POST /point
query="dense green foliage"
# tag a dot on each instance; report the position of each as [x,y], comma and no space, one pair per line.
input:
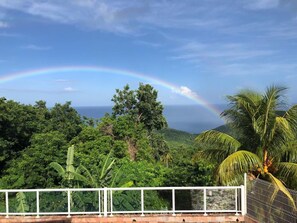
[261,141]
[50,148]
[141,105]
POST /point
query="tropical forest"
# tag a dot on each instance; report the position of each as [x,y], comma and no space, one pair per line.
[42,147]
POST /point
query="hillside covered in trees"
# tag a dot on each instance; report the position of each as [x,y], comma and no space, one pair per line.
[130,146]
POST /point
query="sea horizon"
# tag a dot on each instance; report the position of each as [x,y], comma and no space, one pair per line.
[189,118]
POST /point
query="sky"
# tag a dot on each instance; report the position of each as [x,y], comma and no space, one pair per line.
[191,51]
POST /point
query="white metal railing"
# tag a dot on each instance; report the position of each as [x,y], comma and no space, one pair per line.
[109,201]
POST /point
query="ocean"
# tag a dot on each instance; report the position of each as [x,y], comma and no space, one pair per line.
[188,118]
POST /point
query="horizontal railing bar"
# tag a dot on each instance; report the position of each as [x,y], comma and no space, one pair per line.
[121,212]
[124,212]
[177,188]
[52,190]
[50,213]
[176,211]
[120,189]
[28,213]
[189,211]
[81,212]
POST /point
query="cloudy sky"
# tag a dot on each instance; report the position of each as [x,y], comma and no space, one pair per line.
[204,48]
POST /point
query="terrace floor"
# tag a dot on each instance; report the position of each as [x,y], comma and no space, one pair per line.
[211,218]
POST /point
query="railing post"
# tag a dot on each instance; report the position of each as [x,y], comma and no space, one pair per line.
[204,201]
[105,202]
[7,204]
[99,203]
[37,204]
[69,202]
[110,194]
[142,202]
[244,196]
[236,203]
[173,202]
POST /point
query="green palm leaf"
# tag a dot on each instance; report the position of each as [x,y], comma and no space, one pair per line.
[244,104]
[289,152]
[237,163]
[219,140]
[269,105]
[279,186]
[216,155]
[287,169]
[291,116]
[280,134]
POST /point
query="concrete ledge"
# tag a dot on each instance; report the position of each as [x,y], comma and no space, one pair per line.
[248,219]
[211,218]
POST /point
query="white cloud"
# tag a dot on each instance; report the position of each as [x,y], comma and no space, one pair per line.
[262,4]
[257,69]
[5,34]
[61,80]
[110,16]
[186,91]
[147,43]
[122,16]
[196,52]
[69,89]
[35,47]
[3,24]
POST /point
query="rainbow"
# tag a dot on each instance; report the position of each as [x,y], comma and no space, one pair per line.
[98,69]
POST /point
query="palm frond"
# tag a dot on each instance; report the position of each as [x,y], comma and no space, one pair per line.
[216,155]
[237,179]
[237,163]
[291,116]
[288,152]
[280,134]
[279,186]
[218,140]
[245,103]
[286,169]
[270,103]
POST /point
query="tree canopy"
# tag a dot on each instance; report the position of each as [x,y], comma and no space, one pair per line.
[141,105]
[35,142]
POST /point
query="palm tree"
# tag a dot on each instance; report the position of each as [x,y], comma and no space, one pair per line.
[258,140]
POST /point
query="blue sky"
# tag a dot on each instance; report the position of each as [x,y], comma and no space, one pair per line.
[206,48]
